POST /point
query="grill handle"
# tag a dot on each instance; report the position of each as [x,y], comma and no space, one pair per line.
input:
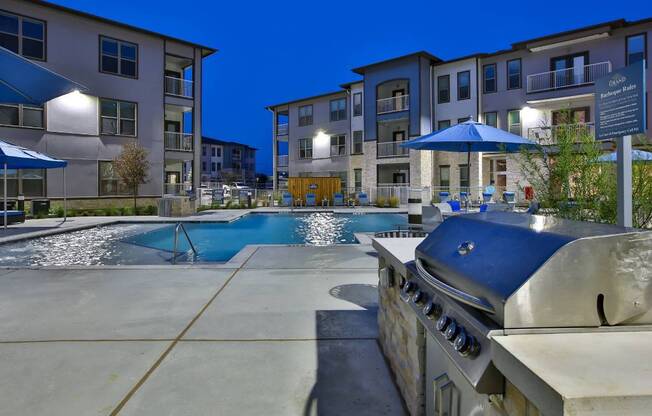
[454,293]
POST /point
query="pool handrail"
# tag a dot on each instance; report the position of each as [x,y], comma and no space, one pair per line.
[176,238]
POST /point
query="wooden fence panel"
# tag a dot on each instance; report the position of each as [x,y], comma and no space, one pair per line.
[322,187]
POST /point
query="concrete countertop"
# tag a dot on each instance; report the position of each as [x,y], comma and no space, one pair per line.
[597,373]
[397,250]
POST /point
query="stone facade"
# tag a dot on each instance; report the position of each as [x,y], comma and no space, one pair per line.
[402,338]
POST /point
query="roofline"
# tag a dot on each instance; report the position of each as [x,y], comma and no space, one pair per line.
[313,97]
[361,69]
[346,85]
[220,141]
[207,50]
[613,24]
[461,58]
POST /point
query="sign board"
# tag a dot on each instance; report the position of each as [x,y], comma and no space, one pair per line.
[620,102]
[313,186]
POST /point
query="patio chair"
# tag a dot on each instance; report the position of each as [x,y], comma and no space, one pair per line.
[287,199]
[311,199]
[338,199]
[444,196]
[486,197]
[509,197]
[13,217]
[455,205]
[363,199]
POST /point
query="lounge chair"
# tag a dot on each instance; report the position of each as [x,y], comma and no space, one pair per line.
[13,217]
[486,197]
[455,205]
[338,199]
[287,199]
[444,196]
[363,199]
[311,200]
[509,197]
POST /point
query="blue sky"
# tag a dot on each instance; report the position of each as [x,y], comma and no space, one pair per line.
[275,51]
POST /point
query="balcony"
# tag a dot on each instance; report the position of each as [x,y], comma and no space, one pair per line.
[178,86]
[179,142]
[547,135]
[570,77]
[282,129]
[282,161]
[392,149]
[393,104]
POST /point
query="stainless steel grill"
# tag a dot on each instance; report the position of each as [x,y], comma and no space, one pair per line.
[478,275]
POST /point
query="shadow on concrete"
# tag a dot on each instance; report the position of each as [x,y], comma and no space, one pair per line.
[352,376]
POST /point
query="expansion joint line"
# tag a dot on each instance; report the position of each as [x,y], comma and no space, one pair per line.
[167,351]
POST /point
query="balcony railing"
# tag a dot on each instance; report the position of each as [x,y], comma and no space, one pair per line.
[181,142]
[392,104]
[178,86]
[282,161]
[547,135]
[392,149]
[282,129]
[177,188]
[570,77]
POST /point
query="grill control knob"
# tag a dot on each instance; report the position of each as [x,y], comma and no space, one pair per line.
[451,330]
[409,287]
[466,344]
[418,297]
[432,310]
[442,323]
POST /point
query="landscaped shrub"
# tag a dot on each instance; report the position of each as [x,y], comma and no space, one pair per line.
[151,210]
[393,201]
[380,201]
[57,212]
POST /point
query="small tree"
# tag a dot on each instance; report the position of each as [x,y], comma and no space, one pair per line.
[132,167]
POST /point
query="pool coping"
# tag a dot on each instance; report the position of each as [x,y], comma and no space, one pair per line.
[236,261]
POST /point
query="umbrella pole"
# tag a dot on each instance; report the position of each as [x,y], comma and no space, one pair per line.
[5,197]
[468,172]
[65,201]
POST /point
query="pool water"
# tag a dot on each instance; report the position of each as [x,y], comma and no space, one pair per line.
[152,243]
[221,241]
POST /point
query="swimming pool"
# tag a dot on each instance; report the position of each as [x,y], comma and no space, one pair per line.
[124,244]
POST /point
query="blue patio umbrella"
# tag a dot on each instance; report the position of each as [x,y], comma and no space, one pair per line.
[637,156]
[470,136]
[18,157]
[25,82]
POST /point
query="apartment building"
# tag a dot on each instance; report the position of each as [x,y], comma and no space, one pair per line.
[522,89]
[221,160]
[141,86]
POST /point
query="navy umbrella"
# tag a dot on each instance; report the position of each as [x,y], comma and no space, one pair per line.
[470,136]
[24,82]
[18,157]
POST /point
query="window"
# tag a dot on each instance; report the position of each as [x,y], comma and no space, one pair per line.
[498,172]
[110,182]
[357,104]
[491,119]
[305,148]
[23,35]
[28,182]
[219,166]
[443,124]
[489,78]
[219,151]
[636,48]
[118,117]
[118,57]
[305,115]
[338,109]
[514,74]
[463,119]
[464,85]
[21,116]
[338,145]
[443,89]
[356,143]
[203,150]
[464,176]
[203,166]
[569,70]
[444,176]
[213,166]
[237,165]
[236,154]
[357,179]
[514,122]
[213,152]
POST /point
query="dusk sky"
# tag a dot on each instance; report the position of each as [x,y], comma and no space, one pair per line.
[275,51]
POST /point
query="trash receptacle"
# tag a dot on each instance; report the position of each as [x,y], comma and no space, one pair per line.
[40,207]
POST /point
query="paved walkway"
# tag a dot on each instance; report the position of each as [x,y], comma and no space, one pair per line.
[290,331]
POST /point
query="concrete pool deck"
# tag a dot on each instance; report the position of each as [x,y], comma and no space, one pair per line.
[285,331]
